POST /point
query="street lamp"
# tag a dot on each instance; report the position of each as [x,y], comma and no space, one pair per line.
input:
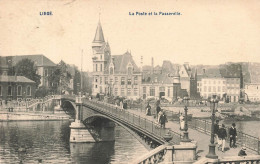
[212,153]
[186,133]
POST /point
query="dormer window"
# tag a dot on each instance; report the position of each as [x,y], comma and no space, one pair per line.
[130,70]
[111,70]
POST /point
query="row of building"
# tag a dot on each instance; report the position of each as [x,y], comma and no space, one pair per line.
[118,75]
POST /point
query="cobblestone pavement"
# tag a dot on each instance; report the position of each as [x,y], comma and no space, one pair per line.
[202,139]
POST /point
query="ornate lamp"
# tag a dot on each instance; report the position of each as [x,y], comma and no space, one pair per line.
[213,105]
[186,133]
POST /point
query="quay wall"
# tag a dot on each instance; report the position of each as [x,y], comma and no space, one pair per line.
[7,116]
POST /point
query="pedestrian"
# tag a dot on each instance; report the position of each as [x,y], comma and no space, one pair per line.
[242,152]
[182,122]
[159,115]
[216,129]
[158,109]
[148,109]
[222,135]
[163,119]
[233,135]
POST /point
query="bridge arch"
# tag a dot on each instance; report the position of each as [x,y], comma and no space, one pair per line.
[69,107]
[132,132]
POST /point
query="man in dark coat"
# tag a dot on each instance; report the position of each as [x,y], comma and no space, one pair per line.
[148,110]
[163,119]
[158,109]
[222,135]
[233,135]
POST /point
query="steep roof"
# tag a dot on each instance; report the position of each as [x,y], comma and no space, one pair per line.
[121,62]
[160,78]
[231,70]
[3,62]
[99,37]
[39,59]
[20,79]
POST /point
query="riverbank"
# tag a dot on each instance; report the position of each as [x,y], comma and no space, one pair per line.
[25,116]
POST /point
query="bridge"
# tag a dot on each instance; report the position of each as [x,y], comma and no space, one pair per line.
[95,122]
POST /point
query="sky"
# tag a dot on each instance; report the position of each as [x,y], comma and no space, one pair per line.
[207,32]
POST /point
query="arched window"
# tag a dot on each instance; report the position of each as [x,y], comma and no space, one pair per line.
[101,67]
[0,90]
[19,90]
[111,70]
[28,91]
[9,91]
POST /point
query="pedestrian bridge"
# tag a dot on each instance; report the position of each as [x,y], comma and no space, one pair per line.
[100,117]
[95,121]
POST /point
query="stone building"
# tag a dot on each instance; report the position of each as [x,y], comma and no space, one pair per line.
[16,87]
[116,75]
[44,65]
[252,92]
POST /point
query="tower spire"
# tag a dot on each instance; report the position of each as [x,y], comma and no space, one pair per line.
[99,36]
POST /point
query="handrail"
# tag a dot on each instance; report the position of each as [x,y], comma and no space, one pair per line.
[154,156]
[230,159]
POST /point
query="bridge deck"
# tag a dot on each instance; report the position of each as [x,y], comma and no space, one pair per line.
[201,138]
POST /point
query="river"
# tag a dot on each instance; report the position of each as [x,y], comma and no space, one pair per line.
[48,142]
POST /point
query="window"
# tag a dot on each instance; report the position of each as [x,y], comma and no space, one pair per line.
[101,57]
[209,89]
[111,70]
[96,86]
[214,89]
[28,91]
[101,67]
[106,80]
[130,70]
[100,89]
[0,90]
[223,89]
[162,89]
[214,82]
[129,81]
[111,80]
[198,84]
[205,89]
[122,91]
[135,91]
[19,90]
[122,80]
[219,89]
[45,72]
[9,91]
[116,80]
[144,90]
[96,80]
[152,91]
[96,68]
[224,82]
[198,89]
[116,91]
[135,80]
[128,91]
[169,91]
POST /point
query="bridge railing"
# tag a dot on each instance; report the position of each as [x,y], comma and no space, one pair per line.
[254,159]
[154,156]
[145,125]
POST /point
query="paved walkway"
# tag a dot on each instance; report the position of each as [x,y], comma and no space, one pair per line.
[202,139]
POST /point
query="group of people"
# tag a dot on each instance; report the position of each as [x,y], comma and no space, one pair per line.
[160,114]
[220,133]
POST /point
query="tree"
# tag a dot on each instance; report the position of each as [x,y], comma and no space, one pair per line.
[60,78]
[27,68]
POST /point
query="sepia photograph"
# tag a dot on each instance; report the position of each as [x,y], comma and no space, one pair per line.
[129,82]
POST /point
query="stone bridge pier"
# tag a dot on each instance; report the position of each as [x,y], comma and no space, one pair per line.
[90,126]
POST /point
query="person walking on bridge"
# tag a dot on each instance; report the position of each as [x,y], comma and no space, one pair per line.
[233,135]
[222,135]
[163,119]
[216,129]
[148,110]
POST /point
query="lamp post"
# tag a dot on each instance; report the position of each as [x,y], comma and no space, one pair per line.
[186,133]
[212,153]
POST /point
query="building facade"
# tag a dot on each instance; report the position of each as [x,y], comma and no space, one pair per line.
[116,75]
[252,92]
[16,88]
[212,86]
